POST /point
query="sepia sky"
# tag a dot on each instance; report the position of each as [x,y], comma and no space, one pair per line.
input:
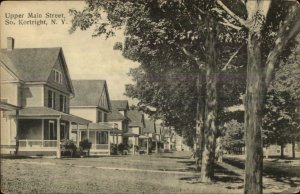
[87,57]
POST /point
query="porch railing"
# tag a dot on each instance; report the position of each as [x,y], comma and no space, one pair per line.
[100,146]
[37,143]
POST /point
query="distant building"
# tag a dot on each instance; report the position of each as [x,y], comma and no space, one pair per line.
[136,128]
[154,134]
[119,117]
[92,102]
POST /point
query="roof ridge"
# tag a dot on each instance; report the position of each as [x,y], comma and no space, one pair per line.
[89,80]
[32,48]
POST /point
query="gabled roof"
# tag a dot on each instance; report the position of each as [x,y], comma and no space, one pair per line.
[120,104]
[88,93]
[33,64]
[150,126]
[115,115]
[137,118]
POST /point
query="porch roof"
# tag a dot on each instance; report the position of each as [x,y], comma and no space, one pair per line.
[48,113]
[6,106]
[130,135]
[98,127]
[143,137]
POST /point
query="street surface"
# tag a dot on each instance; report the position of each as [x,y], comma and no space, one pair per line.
[157,173]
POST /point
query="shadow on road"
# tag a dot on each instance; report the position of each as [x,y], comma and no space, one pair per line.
[175,157]
[272,170]
[222,177]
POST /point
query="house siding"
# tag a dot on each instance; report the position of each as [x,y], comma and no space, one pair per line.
[8,129]
[10,93]
[135,130]
[86,113]
[32,95]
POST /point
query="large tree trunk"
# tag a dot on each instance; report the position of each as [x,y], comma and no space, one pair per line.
[281,150]
[293,149]
[210,129]
[255,94]
[199,123]
[258,77]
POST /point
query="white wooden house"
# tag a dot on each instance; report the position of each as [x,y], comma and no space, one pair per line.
[35,92]
[92,102]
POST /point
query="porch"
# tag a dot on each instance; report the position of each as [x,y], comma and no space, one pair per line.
[99,135]
[144,144]
[41,129]
[132,139]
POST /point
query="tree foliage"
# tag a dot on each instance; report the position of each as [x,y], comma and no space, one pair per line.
[233,141]
[170,41]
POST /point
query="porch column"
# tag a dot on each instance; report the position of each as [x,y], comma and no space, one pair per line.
[43,131]
[134,141]
[17,133]
[117,142]
[108,142]
[58,154]
[77,138]
[156,148]
[113,135]
[88,131]
[147,145]
[70,129]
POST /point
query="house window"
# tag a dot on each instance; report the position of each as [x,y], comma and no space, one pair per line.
[99,116]
[57,76]
[51,99]
[62,103]
[52,131]
[105,117]
[102,137]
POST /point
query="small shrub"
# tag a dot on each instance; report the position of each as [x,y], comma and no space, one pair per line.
[113,149]
[85,144]
[68,146]
[122,147]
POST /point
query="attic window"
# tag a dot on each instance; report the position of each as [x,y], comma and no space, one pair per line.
[57,76]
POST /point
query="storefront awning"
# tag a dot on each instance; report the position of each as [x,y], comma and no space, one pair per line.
[48,113]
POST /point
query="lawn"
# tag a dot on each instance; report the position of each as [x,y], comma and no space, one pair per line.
[164,173]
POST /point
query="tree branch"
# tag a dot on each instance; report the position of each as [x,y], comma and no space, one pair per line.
[193,57]
[230,59]
[200,10]
[233,15]
[227,23]
[288,31]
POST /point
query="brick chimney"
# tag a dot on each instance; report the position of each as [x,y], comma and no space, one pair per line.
[10,43]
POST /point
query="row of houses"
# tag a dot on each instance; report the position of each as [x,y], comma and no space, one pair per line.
[41,106]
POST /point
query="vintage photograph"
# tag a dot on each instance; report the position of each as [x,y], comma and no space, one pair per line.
[150,96]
